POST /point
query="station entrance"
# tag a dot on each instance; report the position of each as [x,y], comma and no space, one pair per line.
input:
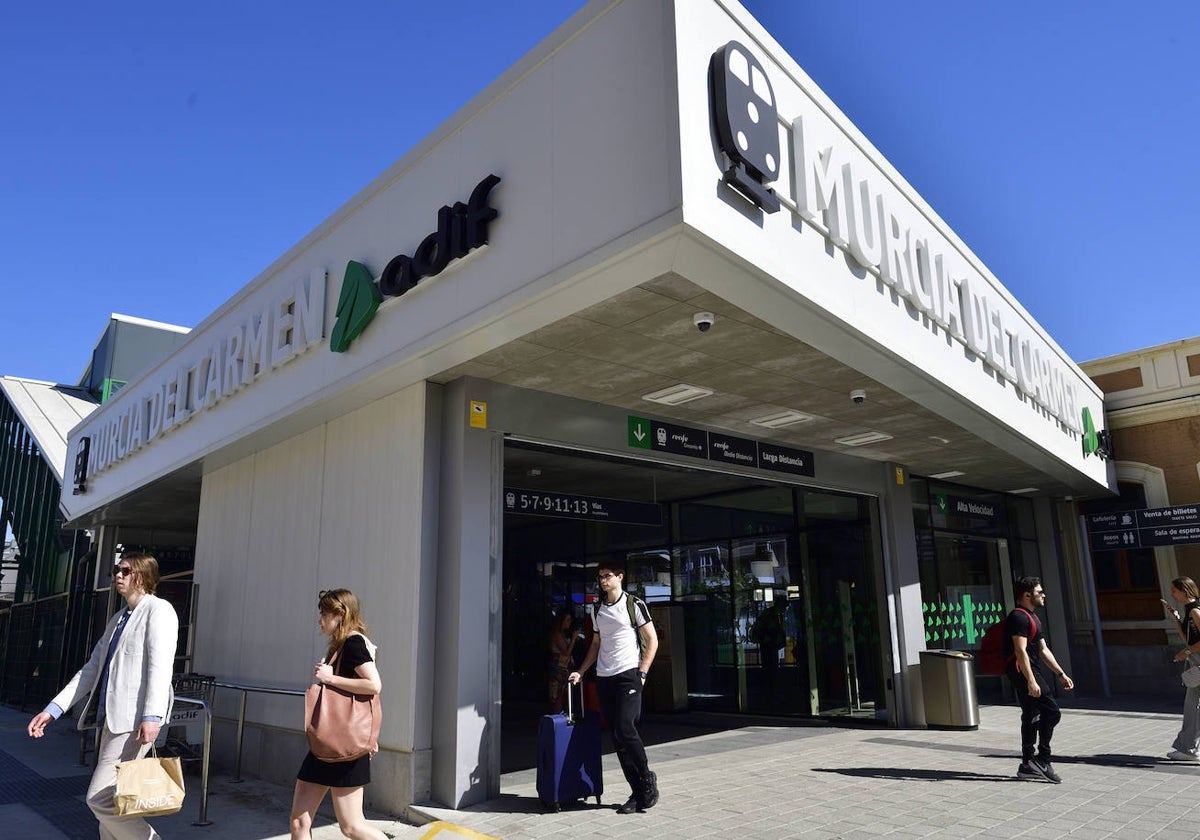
[765,595]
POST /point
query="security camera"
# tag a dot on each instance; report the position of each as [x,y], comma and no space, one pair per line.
[703,321]
[858,396]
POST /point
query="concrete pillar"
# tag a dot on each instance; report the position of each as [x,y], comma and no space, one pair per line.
[466,684]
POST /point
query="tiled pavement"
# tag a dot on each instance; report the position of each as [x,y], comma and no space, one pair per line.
[752,782]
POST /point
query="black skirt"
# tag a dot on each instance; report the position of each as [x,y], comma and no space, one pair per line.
[339,774]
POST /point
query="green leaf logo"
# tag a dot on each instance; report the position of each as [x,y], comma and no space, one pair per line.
[1091,441]
[357,305]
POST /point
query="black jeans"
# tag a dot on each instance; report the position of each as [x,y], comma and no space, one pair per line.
[621,702]
[1039,716]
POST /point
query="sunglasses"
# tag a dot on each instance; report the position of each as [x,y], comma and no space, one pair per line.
[122,571]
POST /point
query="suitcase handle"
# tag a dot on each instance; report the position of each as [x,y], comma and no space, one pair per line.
[570,705]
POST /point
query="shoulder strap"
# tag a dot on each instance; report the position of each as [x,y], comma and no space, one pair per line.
[632,607]
[1033,623]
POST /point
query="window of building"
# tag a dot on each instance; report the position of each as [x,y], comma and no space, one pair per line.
[1127,586]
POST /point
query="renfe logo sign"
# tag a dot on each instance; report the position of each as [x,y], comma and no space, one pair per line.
[747,123]
[860,211]
[460,229]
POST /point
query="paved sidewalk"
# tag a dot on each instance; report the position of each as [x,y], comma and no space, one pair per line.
[42,787]
[752,782]
[773,782]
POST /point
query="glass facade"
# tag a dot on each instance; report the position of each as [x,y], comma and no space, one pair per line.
[971,546]
[765,596]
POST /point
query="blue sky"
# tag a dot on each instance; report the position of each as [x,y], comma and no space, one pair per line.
[154,157]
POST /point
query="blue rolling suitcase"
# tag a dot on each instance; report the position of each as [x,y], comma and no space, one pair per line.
[568,765]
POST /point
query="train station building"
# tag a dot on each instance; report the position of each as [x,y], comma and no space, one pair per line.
[649,297]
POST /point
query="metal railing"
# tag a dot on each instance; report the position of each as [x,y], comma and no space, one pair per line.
[206,709]
[241,722]
[203,819]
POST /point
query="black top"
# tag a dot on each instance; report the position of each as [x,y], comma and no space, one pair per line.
[354,653]
[1189,626]
[1023,623]
[356,772]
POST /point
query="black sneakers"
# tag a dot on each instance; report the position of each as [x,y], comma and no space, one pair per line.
[1047,770]
[648,799]
[1038,770]
[1028,773]
[631,806]
[651,790]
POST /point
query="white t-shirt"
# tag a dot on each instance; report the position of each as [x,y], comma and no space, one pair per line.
[619,649]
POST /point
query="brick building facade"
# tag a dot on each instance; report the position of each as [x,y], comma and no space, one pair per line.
[1152,406]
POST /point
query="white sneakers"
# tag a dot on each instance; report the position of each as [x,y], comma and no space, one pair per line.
[1178,755]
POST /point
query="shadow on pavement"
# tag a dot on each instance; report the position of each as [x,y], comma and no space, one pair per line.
[510,803]
[915,774]
[1140,762]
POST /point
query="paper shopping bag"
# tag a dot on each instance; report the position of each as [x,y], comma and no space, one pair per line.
[149,787]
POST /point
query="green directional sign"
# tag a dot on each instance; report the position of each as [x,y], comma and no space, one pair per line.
[639,432]
[943,503]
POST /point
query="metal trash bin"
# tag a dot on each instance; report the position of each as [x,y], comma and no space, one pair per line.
[948,683]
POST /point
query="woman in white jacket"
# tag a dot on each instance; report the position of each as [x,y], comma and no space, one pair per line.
[126,684]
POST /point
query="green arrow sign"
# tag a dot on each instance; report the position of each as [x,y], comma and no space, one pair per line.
[639,432]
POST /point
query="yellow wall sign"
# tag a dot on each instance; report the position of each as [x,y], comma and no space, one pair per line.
[478,414]
[899,475]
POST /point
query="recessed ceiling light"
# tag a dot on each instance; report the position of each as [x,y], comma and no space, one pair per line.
[862,439]
[948,474]
[677,394]
[781,418]
[939,439]
[1024,490]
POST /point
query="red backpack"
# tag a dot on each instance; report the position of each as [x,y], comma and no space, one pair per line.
[991,659]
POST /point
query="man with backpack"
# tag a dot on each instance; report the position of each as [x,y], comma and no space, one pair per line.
[624,642]
[1026,652]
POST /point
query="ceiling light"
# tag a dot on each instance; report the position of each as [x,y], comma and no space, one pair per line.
[677,394]
[939,439]
[948,474]
[862,439]
[781,419]
[1024,490]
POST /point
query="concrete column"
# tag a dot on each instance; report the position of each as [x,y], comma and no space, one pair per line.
[903,580]
[1054,581]
[466,685]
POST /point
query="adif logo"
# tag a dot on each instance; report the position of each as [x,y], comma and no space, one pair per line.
[747,123]
[1097,443]
[356,306]
[461,228]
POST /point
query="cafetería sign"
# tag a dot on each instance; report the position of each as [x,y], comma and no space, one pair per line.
[1144,528]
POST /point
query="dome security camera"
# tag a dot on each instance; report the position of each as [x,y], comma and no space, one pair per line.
[703,321]
[858,396]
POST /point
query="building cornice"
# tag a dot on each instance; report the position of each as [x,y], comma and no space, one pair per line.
[1181,408]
